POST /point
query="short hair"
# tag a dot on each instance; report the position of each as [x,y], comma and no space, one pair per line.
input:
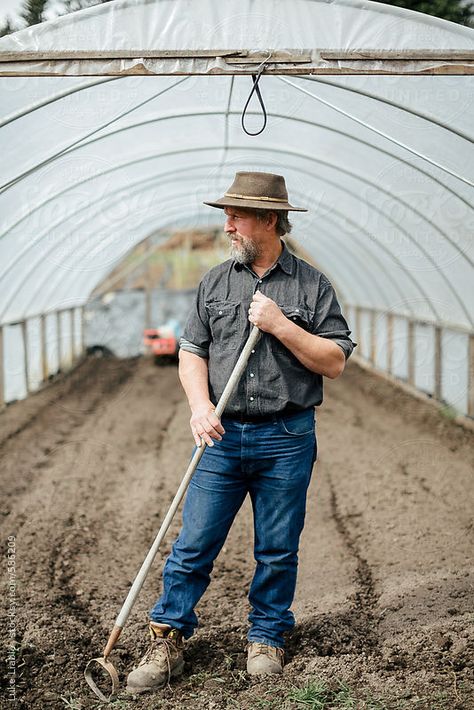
[283,224]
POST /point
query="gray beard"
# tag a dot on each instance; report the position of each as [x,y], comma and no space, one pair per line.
[246,252]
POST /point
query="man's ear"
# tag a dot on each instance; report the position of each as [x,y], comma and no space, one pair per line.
[272,218]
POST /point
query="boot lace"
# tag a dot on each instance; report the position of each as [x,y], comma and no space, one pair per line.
[160,646]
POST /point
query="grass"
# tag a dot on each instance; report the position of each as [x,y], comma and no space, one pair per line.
[317,695]
[72,704]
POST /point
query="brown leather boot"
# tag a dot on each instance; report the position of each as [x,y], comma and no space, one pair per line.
[162,661]
[263,659]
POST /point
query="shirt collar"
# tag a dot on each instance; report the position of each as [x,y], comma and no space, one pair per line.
[284,261]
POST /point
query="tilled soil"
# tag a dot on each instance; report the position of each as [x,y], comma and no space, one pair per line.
[385,595]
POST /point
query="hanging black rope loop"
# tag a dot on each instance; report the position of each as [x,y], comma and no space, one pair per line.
[256,89]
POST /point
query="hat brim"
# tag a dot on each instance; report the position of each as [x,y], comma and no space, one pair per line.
[254,204]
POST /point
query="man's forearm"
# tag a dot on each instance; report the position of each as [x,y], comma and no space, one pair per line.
[193,373]
[314,352]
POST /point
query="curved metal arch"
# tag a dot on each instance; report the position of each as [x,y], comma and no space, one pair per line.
[418,246]
[76,144]
[380,133]
[389,102]
[299,120]
[153,181]
[441,273]
[390,195]
[129,185]
[102,274]
[417,285]
[66,273]
[53,98]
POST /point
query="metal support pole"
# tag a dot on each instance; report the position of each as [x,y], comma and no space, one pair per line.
[438,362]
[58,335]
[24,333]
[44,350]
[389,343]
[2,370]
[411,352]
[470,360]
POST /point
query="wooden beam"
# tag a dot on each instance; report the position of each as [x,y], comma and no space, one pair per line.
[238,56]
[405,55]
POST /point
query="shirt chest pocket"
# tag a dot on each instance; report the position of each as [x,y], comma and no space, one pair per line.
[224,323]
[301,315]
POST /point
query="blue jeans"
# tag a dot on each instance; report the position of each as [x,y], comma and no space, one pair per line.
[272,461]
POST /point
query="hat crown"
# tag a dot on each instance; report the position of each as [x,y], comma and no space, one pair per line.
[258,185]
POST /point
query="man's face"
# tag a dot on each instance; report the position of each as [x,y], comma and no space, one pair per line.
[243,228]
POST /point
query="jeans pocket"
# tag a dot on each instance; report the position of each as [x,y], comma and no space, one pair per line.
[299,424]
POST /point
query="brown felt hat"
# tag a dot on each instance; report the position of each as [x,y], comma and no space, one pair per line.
[263,191]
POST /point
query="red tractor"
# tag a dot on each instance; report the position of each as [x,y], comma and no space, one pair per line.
[162,343]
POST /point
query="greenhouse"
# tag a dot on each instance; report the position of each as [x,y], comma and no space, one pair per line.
[369,116]
[118,122]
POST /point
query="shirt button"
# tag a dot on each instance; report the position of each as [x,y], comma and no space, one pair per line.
[253,351]
[297,310]
[251,399]
[220,313]
[260,281]
[252,375]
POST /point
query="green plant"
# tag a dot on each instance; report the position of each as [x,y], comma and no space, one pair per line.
[72,703]
[315,695]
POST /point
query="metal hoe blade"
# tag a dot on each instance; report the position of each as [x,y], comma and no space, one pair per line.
[106,665]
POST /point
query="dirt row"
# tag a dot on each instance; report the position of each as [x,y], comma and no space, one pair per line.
[384,598]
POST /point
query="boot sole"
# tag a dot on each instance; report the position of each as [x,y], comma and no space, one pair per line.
[175,672]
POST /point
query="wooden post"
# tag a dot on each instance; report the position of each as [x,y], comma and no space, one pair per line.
[373,336]
[411,351]
[389,343]
[147,307]
[58,335]
[71,337]
[358,330]
[83,322]
[2,371]
[470,394]
[44,349]
[438,362]
[73,333]
[24,332]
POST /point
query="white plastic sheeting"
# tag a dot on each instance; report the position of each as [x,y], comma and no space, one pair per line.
[92,166]
[168,36]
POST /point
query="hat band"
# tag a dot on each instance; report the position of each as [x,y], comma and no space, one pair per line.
[253,197]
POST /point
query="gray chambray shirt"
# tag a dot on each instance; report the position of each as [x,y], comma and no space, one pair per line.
[218,327]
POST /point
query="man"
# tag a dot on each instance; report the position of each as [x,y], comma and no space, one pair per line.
[265,444]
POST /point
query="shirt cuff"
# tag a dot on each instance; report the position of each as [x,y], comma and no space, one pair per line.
[346,345]
[192,348]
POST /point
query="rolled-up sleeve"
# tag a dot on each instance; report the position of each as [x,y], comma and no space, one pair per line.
[196,334]
[328,320]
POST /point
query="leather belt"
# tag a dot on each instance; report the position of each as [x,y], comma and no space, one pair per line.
[258,418]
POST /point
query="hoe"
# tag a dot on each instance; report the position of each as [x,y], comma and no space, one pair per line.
[103,662]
